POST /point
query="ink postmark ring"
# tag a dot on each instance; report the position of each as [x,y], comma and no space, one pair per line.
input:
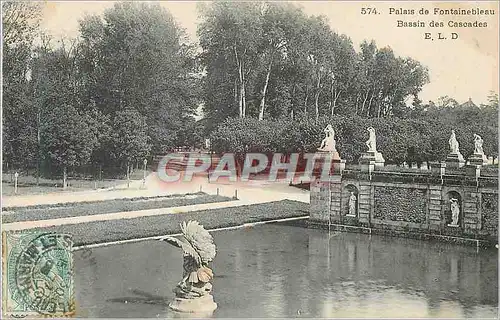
[40,274]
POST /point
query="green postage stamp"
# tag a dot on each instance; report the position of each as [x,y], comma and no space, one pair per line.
[37,275]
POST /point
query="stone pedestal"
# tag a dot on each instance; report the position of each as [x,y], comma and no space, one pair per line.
[438,167]
[455,160]
[202,305]
[371,156]
[379,159]
[473,170]
[322,158]
[478,159]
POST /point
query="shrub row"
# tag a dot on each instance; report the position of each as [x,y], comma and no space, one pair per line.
[399,140]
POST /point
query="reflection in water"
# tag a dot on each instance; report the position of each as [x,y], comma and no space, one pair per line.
[453,270]
[285,271]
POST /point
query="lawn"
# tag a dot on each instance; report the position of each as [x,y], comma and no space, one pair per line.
[124,229]
[43,212]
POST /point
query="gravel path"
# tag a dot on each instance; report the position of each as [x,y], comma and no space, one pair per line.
[108,206]
[125,229]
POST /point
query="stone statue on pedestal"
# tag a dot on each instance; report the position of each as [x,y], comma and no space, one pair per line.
[328,154]
[328,143]
[478,144]
[455,212]
[192,293]
[478,157]
[372,154]
[455,158]
[372,140]
[352,204]
[454,146]
[478,148]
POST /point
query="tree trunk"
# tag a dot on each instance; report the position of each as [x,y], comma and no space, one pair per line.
[305,103]
[241,82]
[128,175]
[381,103]
[243,100]
[356,104]
[65,178]
[236,90]
[388,108]
[370,103]
[316,96]
[241,94]
[38,137]
[335,98]
[316,105]
[364,102]
[263,99]
[330,101]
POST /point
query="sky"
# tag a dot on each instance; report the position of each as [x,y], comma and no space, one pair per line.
[463,68]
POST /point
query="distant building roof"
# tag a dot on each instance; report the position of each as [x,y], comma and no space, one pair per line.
[469,104]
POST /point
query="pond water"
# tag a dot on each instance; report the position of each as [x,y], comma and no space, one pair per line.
[278,270]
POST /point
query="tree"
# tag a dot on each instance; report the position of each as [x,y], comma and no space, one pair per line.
[387,82]
[276,22]
[128,141]
[137,57]
[191,134]
[467,119]
[230,35]
[341,69]
[319,56]
[272,60]
[65,130]
[67,138]
[20,21]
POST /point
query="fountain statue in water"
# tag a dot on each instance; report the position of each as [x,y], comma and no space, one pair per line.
[192,293]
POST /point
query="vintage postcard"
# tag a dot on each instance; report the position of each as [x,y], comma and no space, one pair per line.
[250,159]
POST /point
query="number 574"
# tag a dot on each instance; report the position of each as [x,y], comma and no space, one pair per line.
[368,11]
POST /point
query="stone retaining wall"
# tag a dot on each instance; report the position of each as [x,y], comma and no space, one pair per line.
[409,205]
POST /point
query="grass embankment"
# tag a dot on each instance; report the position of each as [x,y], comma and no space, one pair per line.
[62,210]
[124,229]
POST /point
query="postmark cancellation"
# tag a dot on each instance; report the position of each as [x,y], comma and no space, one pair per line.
[37,275]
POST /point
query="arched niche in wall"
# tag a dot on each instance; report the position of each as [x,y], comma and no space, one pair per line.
[350,200]
[452,209]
